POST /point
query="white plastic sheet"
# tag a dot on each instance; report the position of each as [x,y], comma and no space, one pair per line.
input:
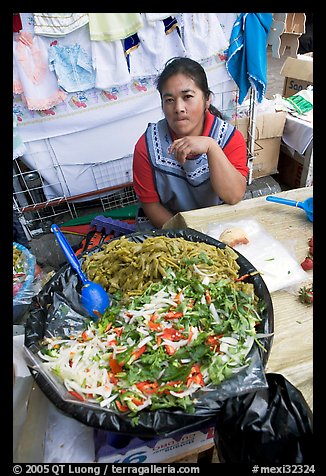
[277,265]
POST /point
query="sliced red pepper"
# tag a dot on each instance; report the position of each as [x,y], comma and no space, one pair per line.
[242,277]
[214,342]
[121,407]
[247,275]
[147,387]
[108,327]
[169,349]
[208,297]
[195,376]
[152,324]
[84,335]
[118,331]
[138,352]
[114,366]
[112,378]
[77,395]
[137,401]
[190,303]
[177,297]
[163,389]
[172,334]
[173,315]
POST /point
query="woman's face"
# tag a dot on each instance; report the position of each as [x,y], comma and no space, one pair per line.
[184,105]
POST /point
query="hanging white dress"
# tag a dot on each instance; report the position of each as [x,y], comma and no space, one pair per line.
[38,85]
[109,63]
[153,46]
[203,35]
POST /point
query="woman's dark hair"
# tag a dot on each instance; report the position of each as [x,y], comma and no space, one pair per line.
[188,67]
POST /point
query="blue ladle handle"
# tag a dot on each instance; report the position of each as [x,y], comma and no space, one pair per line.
[285,201]
[69,252]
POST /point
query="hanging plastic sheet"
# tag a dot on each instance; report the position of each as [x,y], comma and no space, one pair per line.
[57,311]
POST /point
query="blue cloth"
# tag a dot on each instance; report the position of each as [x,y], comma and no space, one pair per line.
[73,67]
[246,61]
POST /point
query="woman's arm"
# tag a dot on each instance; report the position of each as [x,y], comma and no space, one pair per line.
[227,182]
[157,213]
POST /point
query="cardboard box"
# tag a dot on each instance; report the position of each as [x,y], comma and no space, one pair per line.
[298,73]
[296,170]
[295,23]
[155,450]
[268,134]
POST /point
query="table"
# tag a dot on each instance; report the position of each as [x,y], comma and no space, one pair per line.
[292,349]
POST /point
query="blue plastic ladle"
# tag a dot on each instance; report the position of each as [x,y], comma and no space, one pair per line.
[94,297]
[307,205]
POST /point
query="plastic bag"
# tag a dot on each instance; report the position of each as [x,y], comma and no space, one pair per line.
[273,425]
[28,280]
[23,274]
[279,268]
[57,310]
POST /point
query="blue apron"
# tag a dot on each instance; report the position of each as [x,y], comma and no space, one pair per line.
[181,187]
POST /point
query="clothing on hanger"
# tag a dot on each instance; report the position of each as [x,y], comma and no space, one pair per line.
[153,46]
[17,23]
[109,63]
[113,26]
[203,36]
[58,24]
[38,85]
[247,56]
[72,66]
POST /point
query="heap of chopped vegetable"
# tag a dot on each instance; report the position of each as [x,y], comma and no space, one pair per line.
[180,336]
[130,268]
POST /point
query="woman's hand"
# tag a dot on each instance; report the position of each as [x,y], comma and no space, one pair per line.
[189,146]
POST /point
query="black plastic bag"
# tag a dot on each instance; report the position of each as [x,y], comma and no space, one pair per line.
[272,425]
[57,309]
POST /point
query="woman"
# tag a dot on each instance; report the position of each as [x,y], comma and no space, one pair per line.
[190,159]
